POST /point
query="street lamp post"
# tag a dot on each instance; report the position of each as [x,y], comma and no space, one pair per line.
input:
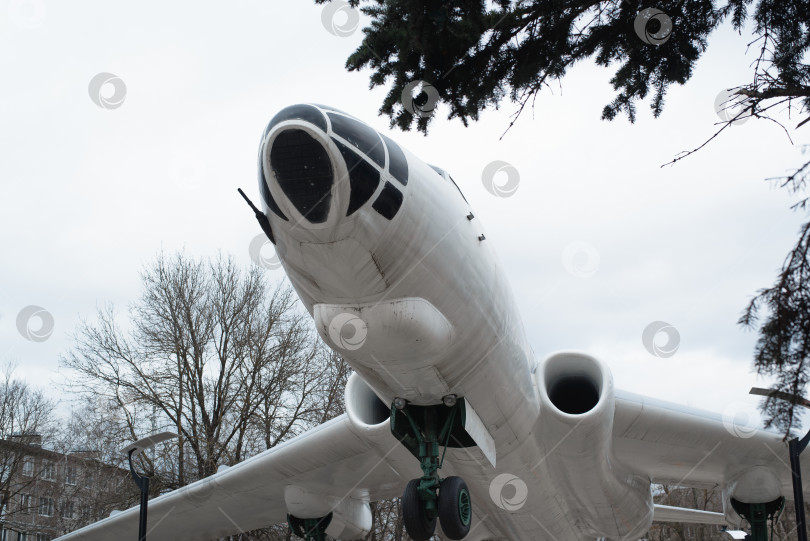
[795,448]
[141,480]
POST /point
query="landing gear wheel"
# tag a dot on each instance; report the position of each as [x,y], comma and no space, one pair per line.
[455,508]
[419,526]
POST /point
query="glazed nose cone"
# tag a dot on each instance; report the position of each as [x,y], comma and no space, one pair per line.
[303,170]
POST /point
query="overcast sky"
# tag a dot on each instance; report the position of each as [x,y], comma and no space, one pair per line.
[598,241]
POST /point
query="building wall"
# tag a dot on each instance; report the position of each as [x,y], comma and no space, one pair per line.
[50,493]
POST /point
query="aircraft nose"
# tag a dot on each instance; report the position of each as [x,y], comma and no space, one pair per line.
[304,173]
[323,174]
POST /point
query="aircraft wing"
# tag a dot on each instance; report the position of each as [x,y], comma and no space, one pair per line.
[336,461]
[666,513]
[678,445]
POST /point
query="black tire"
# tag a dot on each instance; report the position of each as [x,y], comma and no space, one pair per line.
[417,523]
[455,508]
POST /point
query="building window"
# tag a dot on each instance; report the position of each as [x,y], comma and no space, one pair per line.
[70,475]
[28,466]
[88,480]
[22,536]
[43,537]
[67,510]
[87,511]
[25,503]
[48,470]
[46,506]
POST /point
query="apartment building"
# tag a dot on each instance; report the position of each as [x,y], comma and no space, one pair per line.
[46,493]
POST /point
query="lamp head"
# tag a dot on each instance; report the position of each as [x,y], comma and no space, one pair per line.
[143,444]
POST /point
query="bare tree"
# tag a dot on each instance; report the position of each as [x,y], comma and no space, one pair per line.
[213,352]
[691,498]
[94,472]
[707,500]
[26,417]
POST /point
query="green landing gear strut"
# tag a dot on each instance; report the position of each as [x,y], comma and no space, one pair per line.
[309,529]
[427,432]
[758,515]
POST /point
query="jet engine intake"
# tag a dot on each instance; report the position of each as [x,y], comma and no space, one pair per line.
[577,404]
[363,407]
[574,383]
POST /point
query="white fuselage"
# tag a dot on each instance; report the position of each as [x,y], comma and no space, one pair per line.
[419,307]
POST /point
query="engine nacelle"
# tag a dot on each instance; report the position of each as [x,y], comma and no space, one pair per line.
[577,405]
[368,413]
[351,518]
[758,484]
[351,515]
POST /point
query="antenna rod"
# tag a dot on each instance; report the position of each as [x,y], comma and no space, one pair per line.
[260,217]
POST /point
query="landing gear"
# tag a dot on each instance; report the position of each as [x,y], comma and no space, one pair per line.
[419,525]
[430,497]
[309,529]
[455,508]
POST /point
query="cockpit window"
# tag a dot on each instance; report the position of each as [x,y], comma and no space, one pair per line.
[265,190]
[389,201]
[363,177]
[363,137]
[397,163]
[299,112]
[304,173]
[329,108]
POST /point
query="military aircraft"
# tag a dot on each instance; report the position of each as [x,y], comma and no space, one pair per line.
[448,407]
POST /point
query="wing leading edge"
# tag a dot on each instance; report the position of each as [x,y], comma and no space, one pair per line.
[333,460]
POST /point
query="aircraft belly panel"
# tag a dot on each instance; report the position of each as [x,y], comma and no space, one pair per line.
[343,268]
